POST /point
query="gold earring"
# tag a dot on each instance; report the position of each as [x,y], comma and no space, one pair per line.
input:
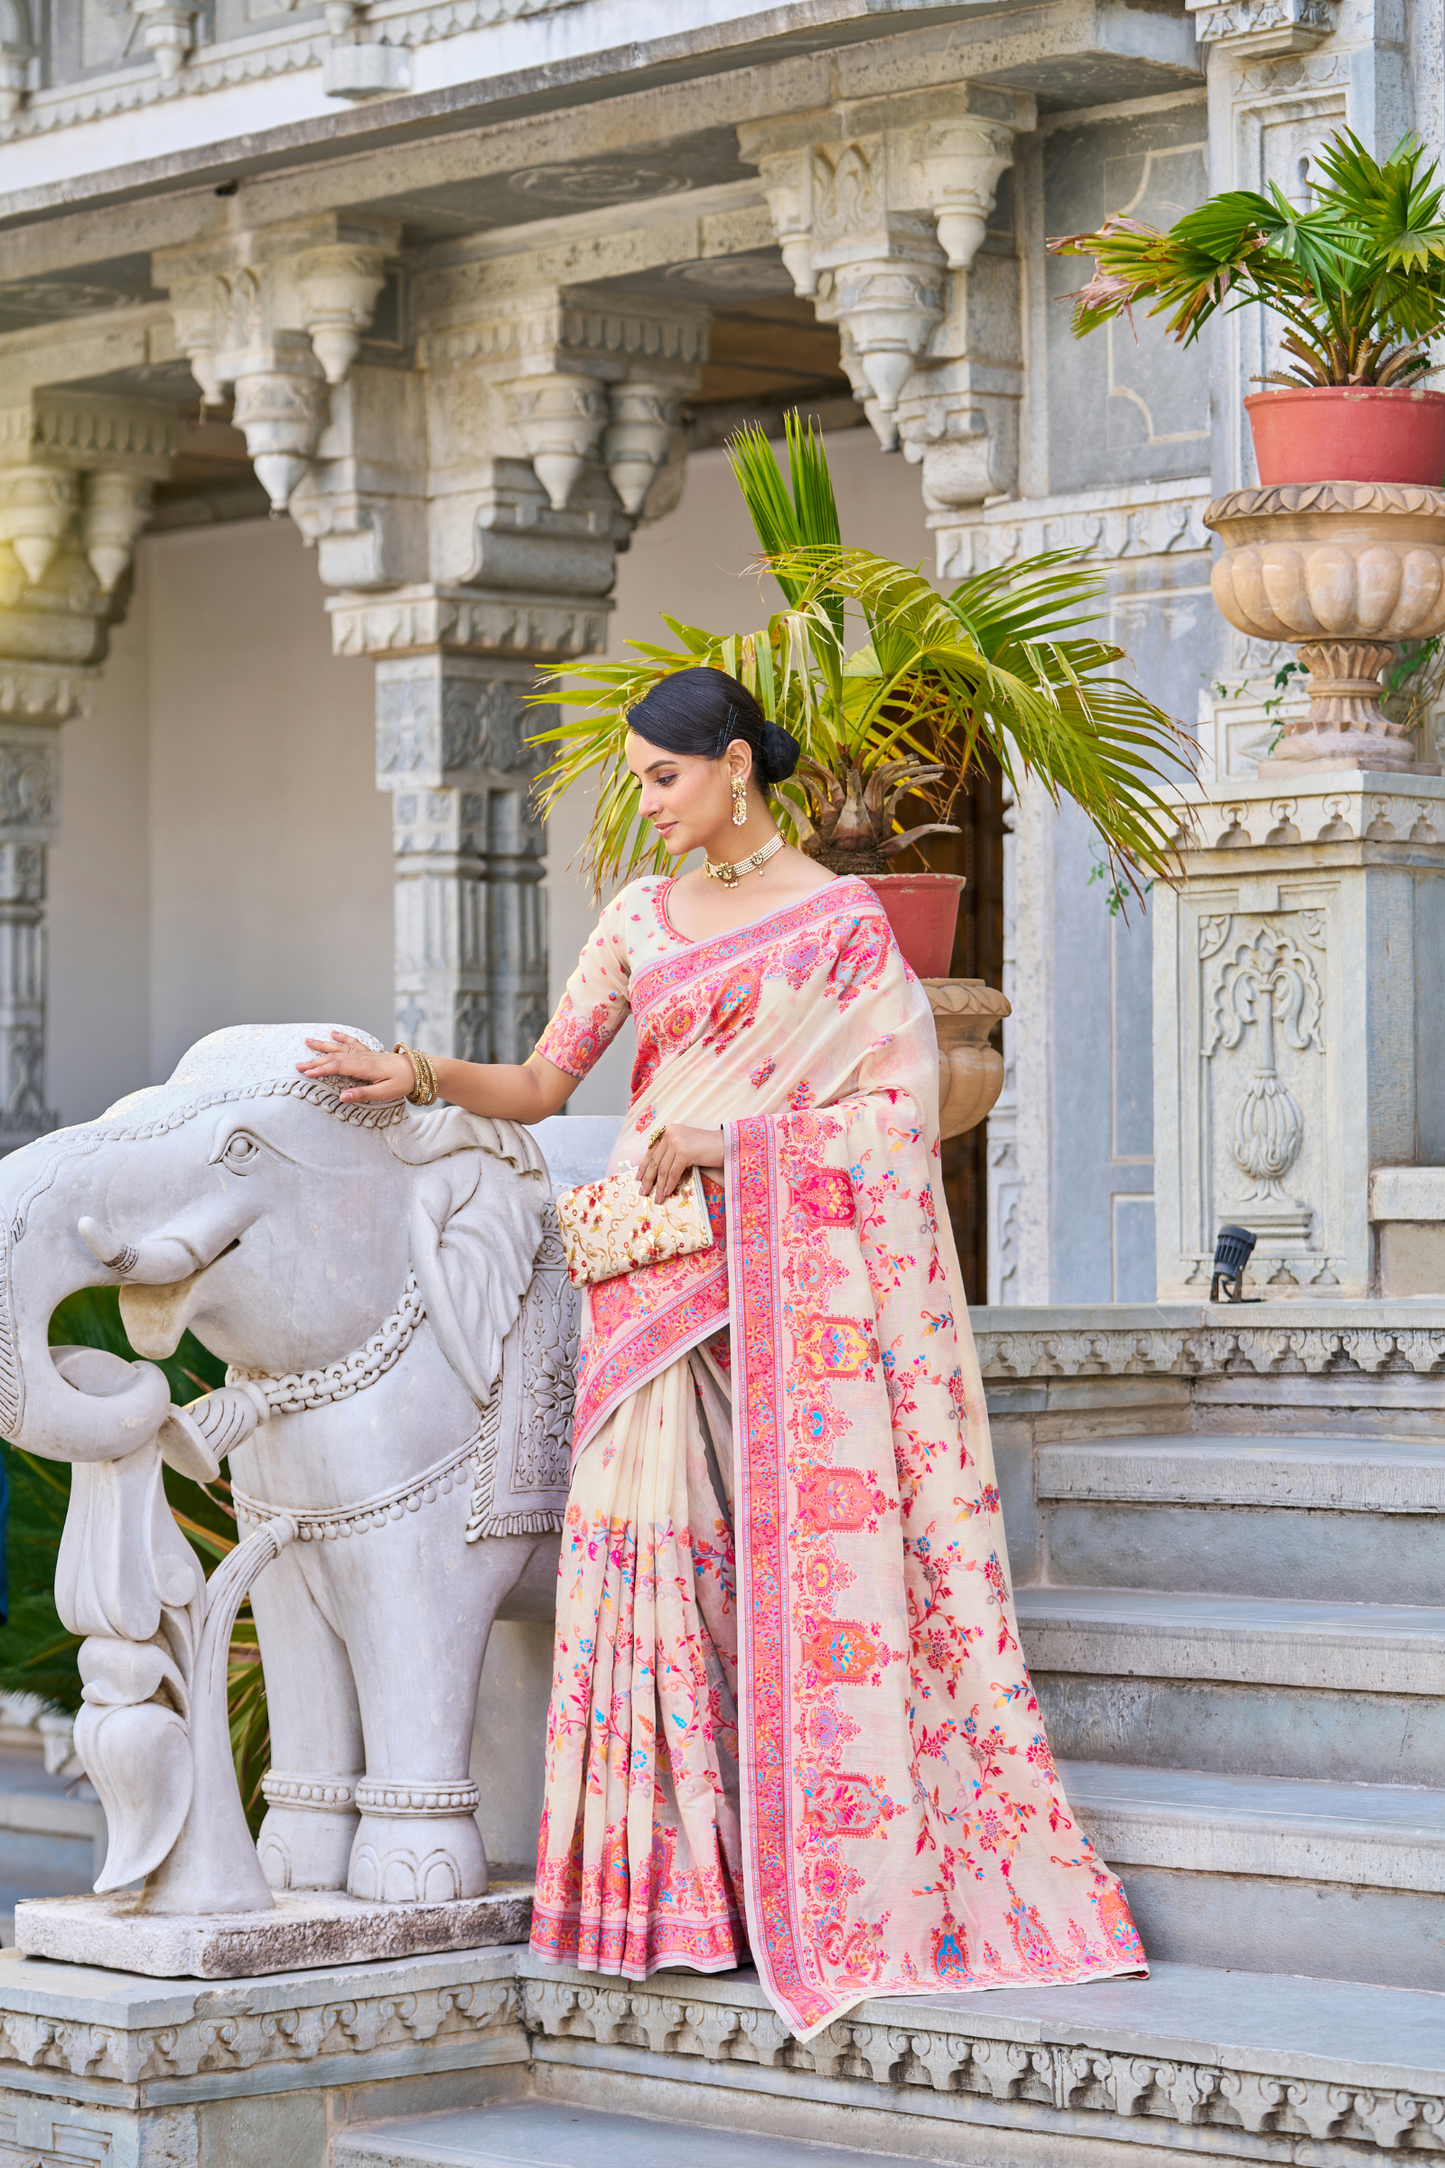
[740,802]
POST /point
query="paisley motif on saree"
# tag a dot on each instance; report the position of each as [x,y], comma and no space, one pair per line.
[898,1825]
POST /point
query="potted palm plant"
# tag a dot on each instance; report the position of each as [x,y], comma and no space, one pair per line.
[1358,281]
[892,690]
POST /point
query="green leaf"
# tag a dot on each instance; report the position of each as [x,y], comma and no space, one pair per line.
[1359,276]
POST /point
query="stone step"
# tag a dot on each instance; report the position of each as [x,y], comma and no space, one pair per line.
[1191,2064]
[1353,1693]
[1248,1516]
[561,2134]
[1271,1874]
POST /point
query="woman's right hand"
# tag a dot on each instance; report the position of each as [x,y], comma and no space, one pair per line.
[379,1076]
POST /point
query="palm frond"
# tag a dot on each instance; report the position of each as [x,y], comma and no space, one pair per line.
[1359,277]
[1006,663]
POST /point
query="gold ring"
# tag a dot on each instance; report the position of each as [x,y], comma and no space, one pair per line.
[657,1135]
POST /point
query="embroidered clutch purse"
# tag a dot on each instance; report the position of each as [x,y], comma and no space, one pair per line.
[610,1227]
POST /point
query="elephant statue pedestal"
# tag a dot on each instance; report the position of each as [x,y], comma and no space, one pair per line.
[388,1290]
[300,1931]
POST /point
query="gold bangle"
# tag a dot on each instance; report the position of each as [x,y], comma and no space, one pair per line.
[424,1087]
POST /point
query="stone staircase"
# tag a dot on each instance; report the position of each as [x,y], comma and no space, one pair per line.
[1230,1575]
[1252,1738]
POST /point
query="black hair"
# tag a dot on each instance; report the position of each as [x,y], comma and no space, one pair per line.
[702,711]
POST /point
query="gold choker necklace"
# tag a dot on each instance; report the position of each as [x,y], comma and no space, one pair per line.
[731,872]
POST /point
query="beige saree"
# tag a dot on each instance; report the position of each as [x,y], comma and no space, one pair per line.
[790,1716]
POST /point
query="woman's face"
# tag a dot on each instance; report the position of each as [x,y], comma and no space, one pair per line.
[687,798]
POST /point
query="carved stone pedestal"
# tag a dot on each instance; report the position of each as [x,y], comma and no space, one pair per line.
[1343,571]
[1299,1040]
[970,1071]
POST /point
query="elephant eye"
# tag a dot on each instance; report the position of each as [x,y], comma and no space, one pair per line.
[240,1152]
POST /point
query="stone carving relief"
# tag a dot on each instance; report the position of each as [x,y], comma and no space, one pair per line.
[77,471]
[1214,1350]
[583,382]
[586,187]
[167,28]
[1263,27]
[278,316]
[1264,983]
[435,726]
[29,782]
[1116,526]
[1036,2084]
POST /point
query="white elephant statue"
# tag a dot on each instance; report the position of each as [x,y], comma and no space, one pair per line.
[388,1290]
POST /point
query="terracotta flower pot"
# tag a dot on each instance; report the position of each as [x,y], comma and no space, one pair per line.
[923,912]
[1335,433]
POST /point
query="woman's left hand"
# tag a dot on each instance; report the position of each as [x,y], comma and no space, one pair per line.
[671,1152]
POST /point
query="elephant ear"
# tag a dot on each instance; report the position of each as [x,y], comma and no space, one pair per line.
[476,1219]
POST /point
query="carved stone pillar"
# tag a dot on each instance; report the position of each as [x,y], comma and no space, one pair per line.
[77,471]
[451,732]
[880,211]
[473,510]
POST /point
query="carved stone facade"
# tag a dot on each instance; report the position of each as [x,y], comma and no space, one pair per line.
[463,341]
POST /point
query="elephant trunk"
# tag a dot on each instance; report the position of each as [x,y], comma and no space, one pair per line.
[44,1258]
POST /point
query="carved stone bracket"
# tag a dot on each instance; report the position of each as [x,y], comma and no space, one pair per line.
[76,474]
[278,314]
[1261,29]
[168,28]
[584,383]
[879,209]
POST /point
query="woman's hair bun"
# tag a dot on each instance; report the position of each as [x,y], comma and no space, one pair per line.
[780,751]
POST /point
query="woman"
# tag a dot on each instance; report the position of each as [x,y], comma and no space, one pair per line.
[789,1710]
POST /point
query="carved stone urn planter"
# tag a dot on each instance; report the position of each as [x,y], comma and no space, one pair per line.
[970,1071]
[1342,571]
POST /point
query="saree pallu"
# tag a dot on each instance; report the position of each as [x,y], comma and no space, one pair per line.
[788,1688]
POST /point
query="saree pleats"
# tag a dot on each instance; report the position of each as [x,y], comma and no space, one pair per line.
[642,1774]
[789,1689]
